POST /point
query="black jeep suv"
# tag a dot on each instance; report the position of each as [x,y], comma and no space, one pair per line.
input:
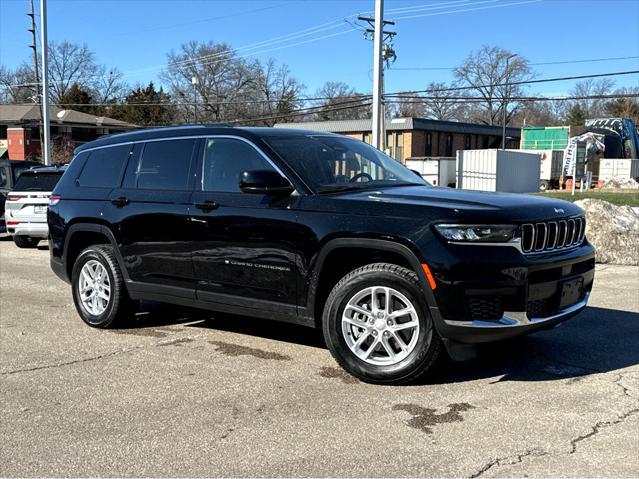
[316,229]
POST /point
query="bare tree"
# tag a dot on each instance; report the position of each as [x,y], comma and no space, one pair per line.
[407,105]
[340,102]
[593,108]
[440,103]
[486,74]
[17,86]
[222,81]
[536,113]
[70,63]
[625,107]
[108,86]
[275,92]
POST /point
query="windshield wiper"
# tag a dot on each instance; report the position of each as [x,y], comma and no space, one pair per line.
[345,187]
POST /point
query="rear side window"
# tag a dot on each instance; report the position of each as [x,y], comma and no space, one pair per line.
[165,165]
[37,181]
[104,166]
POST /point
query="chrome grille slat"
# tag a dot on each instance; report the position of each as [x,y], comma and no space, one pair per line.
[552,235]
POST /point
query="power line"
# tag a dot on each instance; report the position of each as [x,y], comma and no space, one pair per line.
[523,82]
[486,7]
[559,62]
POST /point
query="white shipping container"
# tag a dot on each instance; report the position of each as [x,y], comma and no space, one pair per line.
[620,168]
[552,162]
[437,171]
[512,171]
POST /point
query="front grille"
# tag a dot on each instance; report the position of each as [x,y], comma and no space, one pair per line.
[552,235]
[485,308]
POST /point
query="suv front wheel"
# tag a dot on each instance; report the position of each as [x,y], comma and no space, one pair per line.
[378,327]
[99,293]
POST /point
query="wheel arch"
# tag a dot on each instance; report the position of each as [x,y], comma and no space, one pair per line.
[321,280]
[81,236]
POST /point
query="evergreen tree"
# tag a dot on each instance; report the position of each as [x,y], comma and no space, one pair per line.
[576,115]
[145,106]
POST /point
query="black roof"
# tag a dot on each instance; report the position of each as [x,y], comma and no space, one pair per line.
[253,133]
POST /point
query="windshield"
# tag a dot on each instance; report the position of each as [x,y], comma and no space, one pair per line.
[37,181]
[333,163]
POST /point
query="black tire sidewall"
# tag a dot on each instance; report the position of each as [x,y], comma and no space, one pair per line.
[25,241]
[105,319]
[410,366]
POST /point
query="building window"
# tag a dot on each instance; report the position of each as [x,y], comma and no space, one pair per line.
[466,142]
[449,145]
[367,138]
[389,143]
[399,146]
[484,142]
[429,144]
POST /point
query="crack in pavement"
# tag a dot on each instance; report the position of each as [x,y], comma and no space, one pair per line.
[69,363]
[99,356]
[509,460]
[596,429]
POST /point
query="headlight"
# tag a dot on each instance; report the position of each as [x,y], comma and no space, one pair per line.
[478,233]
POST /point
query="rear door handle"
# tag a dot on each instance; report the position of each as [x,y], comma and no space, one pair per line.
[120,202]
[207,205]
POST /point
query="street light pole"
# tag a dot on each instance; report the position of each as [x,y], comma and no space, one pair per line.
[503,130]
[195,82]
[46,147]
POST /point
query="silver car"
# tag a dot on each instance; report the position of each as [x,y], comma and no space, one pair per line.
[26,206]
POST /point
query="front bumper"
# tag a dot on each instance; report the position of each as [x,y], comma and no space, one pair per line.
[494,297]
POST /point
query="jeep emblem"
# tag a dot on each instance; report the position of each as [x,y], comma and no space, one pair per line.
[559,210]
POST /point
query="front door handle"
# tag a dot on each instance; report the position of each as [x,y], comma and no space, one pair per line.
[120,202]
[207,205]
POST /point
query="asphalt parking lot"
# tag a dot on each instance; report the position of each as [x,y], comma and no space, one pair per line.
[184,393]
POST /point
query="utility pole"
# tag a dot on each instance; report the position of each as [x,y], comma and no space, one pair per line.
[36,70]
[46,147]
[381,53]
[378,92]
[34,47]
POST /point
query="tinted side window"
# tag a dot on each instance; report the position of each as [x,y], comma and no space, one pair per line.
[104,166]
[225,159]
[165,165]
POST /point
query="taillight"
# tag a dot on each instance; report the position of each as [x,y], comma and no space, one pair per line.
[14,197]
[12,223]
[54,200]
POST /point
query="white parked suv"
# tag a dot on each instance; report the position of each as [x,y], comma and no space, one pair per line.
[26,205]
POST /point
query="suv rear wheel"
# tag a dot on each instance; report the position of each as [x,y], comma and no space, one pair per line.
[26,241]
[99,293]
[377,325]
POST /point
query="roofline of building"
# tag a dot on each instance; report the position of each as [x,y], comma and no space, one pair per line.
[403,124]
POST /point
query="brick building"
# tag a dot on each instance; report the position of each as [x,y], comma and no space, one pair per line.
[20,129]
[420,137]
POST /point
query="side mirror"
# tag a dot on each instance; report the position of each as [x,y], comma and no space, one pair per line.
[265,182]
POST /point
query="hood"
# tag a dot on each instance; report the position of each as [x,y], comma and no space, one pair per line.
[470,205]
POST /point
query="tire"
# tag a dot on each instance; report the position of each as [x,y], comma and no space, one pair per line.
[544,185]
[100,312]
[26,241]
[423,344]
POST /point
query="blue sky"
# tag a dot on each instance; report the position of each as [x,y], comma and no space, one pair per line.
[135,35]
